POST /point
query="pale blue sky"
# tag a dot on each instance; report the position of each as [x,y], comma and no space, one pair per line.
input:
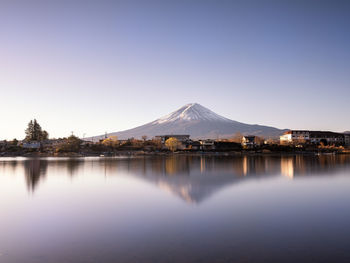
[96,66]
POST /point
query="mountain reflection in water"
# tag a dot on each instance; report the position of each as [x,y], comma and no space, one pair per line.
[192,178]
[180,208]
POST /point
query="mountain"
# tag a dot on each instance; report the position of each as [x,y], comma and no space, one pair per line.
[197,121]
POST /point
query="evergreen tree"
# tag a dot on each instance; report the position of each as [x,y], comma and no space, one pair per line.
[44,135]
[37,131]
[34,132]
[29,131]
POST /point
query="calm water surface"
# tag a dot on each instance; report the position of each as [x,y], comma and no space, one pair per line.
[175,209]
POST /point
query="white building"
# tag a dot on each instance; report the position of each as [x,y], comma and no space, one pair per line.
[295,136]
[314,137]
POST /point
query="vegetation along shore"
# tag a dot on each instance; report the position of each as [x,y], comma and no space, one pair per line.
[38,143]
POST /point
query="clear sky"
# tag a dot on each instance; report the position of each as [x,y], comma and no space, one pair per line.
[96,66]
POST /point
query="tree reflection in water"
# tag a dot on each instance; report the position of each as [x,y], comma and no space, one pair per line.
[193,178]
[34,171]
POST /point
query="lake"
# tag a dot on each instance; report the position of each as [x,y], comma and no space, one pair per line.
[175,209]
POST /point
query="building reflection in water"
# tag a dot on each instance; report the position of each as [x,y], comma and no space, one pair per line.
[310,165]
[192,178]
[287,167]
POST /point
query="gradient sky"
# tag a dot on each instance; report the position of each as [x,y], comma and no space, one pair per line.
[96,66]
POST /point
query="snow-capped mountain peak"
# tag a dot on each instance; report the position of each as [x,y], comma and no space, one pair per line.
[191,112]
[198,122]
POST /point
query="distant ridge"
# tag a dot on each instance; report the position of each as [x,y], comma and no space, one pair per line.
[198,122]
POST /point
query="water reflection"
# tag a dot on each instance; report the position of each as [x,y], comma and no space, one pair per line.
[117,209]
[296,166]
[34,171]
[192,178]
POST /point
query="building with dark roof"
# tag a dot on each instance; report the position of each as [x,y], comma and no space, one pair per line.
[248,141]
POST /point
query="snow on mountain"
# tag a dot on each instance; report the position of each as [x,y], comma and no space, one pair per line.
[197,121]
[191,112]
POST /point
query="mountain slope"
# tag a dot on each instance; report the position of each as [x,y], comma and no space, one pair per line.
[197,121]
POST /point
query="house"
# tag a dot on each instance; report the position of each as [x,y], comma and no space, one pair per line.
[194,145]
[207,145]
[248,141]
[86,143]
[327,138]
[295,136]
[31,145]
[314,137]
[347,139]
[3,144]
[52,142]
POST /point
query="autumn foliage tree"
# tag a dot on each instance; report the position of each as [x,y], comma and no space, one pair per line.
[111,141]
[172,144]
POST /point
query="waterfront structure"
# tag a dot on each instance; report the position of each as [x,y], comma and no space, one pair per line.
[207,144]
[314,137]
[194,145]
[295,136]
[180,137]
[248,141]
[347,138]
[31,145]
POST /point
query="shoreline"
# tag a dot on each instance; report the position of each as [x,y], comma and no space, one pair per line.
[142,153]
